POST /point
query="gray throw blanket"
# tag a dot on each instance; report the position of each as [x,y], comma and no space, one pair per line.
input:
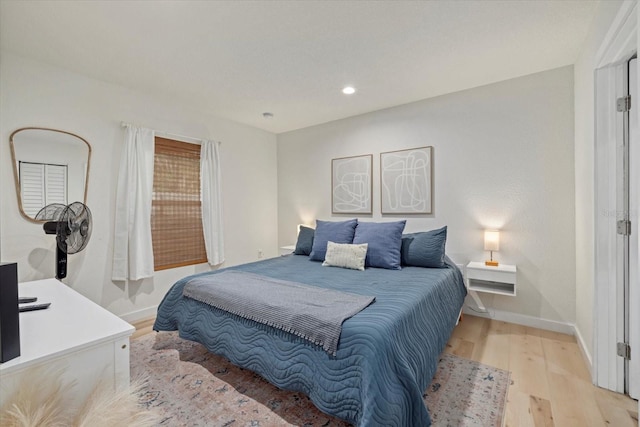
[315,314]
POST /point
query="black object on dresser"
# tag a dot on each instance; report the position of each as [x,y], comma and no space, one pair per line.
[9,319]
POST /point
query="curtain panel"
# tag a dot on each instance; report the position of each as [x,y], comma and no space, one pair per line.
[210,187]
[132,246]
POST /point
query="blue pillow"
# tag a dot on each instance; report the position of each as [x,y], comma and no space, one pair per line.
[425,249]
[305,241]
[336,231]
[385,242]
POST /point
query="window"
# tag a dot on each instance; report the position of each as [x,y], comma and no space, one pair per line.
[40,185]
[176,214]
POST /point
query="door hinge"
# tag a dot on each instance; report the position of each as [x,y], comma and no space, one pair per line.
[623,104]
[624,350]
[624,227]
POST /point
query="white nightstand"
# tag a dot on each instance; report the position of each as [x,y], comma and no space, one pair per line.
[286,250]
[499,280]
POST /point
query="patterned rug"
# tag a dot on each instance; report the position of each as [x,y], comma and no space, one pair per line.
[188,386]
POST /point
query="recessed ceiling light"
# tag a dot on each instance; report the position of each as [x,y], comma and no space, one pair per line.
[267,115]
[348,90]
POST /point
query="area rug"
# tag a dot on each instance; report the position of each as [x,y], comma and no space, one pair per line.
[188,386]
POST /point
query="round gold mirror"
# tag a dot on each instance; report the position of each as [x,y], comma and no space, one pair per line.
[49,166]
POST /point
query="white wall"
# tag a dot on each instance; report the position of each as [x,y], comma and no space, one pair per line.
[584,171]
[35,94]
[503,157]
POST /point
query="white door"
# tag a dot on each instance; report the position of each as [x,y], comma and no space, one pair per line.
[611,132]
[616,292]
[617,244]
[633,300]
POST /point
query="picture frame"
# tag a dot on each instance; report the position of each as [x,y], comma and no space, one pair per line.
[351,185]
[406,180]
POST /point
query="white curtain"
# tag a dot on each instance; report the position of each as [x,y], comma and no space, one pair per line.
[210,187]
[132,246]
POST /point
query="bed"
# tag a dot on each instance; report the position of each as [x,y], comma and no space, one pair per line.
[387,354]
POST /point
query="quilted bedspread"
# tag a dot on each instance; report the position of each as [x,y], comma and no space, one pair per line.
[311,312]
[387,353]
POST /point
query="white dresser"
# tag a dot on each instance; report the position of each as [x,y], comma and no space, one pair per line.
[75,333]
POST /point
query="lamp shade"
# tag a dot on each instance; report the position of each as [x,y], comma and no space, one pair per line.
[491,240]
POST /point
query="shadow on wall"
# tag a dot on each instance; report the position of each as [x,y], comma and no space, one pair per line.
[539,304]
[159,284]
[135,288]
[42,261]
[43,264]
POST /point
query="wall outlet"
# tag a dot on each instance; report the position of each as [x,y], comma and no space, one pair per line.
[260,253]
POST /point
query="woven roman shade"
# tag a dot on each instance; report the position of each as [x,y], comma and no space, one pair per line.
[176,214]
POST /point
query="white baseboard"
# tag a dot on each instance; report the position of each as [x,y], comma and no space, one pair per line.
[584,350]
[139,315]
[523,319]
[536,322]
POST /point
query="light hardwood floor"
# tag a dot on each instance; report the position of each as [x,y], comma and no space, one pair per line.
[143,327]
[550,383]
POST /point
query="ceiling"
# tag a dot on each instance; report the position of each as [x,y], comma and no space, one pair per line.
[239,59]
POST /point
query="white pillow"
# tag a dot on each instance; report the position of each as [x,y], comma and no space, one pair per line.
[345,255]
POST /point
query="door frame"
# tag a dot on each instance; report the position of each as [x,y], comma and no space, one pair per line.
[620,43]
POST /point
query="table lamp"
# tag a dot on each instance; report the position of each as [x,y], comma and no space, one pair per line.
[491,243]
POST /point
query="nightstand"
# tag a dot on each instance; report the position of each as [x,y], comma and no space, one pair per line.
[286,250]
[499,280]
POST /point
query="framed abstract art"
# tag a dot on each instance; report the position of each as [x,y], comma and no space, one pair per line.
[351,185]
[406,181]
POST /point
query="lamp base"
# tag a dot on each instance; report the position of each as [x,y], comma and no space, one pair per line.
[491,263]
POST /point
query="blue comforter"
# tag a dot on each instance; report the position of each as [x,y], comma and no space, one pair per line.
[387,353]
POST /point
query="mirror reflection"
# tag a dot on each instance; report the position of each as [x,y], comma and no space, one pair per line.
[50,166]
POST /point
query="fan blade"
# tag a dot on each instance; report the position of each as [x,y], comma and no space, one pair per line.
[77,227]
[50,212]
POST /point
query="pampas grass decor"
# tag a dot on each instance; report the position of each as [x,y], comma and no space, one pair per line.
[108,408]
[39,401]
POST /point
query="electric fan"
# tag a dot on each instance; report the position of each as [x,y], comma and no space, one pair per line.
[72,226]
